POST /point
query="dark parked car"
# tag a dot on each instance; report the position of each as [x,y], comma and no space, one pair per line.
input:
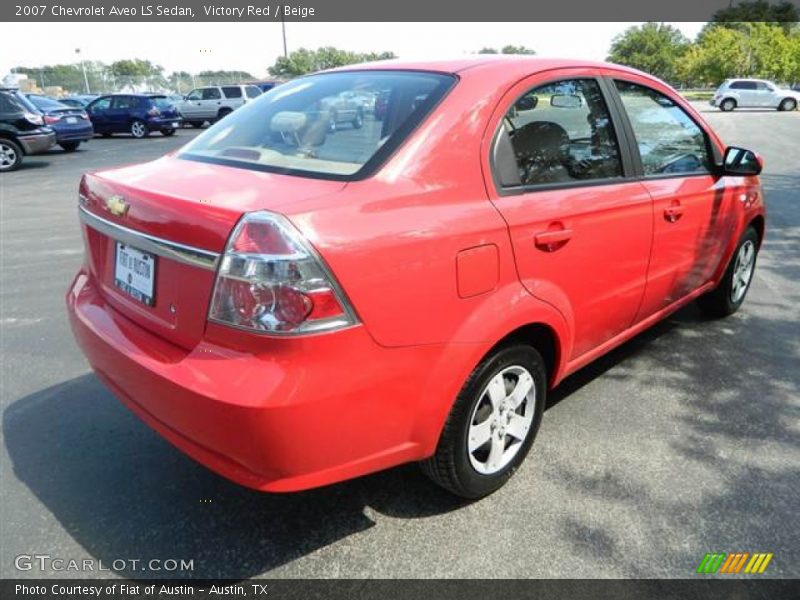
[266,86]
[72,125]
[21,131]
[137,114]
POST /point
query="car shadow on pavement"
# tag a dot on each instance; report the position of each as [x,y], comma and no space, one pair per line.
[722,478]
[123,493]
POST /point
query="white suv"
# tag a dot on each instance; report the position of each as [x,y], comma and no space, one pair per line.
[754,93]
[214,102]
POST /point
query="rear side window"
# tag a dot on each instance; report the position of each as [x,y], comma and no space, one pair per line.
[211,94]
[161,102]
[321,125]
[562,132]
[232,91]
[743,85]
[9,105]
[123,102]
[669,141]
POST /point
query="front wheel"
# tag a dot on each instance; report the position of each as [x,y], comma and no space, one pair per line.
[69,146]
[358,121]
[492,424]
[197,124]
[139,129]
[727,105]
[167,132]
[729,295]
[10,155]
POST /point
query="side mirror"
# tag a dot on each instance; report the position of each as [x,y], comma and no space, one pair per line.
[742,162]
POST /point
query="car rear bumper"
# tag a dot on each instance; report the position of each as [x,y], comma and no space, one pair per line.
[75,134]
[160,124]
[297,414]
[35,143]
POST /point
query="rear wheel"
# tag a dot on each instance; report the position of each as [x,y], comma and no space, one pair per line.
[167,132]
[70,146]
[139,129]
[197,124]
[727,105]
[358,121]
[729,295]
[492,424]
[223,112]
[787,104]
[10,155]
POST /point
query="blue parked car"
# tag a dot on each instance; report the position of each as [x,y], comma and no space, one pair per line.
[72,125]
[137,114]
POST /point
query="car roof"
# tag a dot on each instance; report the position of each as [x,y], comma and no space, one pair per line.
[503,67]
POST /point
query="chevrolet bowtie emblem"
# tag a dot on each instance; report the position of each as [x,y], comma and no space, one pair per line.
[117,206]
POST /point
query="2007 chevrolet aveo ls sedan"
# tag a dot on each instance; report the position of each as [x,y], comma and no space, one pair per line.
[294,304]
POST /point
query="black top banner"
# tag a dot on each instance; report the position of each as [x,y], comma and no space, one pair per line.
[362,10]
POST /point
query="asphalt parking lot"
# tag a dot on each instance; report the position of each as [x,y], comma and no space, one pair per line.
[684,441]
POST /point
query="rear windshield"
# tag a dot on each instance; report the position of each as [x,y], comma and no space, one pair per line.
[330,125]
[43,103]
[162,101]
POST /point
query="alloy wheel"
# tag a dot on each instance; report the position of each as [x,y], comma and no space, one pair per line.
[743,270]
[501,420]
[138,129]
[8,156]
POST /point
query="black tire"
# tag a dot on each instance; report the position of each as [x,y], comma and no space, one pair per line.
[332,123]
[727,105]
[358,121]
[106,135]
[167,132]
[787,104]
[451,466]
[69,146]
[721,301]
[197,124]
[10,155]
[139,129]
[223,112]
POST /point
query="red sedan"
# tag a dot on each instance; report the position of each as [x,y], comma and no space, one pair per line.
[293,305]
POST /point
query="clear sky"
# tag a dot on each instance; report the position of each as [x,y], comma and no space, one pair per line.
[253,47]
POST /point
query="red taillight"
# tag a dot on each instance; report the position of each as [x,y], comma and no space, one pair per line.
[48,120]
[271,280]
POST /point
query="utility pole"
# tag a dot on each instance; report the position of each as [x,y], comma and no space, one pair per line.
[283,28]
[83,66]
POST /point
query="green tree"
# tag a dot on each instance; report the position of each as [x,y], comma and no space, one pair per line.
[135,68]
[509,49]
[303,61]
[653,47]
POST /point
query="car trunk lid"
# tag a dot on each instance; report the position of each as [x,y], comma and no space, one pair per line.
[178,213]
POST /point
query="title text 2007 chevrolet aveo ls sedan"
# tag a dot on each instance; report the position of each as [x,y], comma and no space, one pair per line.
[294,304]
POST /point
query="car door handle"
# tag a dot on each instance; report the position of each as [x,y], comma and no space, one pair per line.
[673,213]
[552,240]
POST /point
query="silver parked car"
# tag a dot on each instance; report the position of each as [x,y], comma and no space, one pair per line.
[214,102]
[754,93]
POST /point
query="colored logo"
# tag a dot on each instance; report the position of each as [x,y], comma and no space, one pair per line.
[734,563]
[117,206]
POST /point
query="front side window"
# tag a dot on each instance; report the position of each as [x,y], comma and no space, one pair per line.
[306,127]
[211,94]
[252,91]
[669,140]
[101,104]
[562,132]
[195,95]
